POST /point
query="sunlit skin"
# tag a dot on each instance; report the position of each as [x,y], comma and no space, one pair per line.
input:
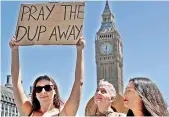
[132,100]
[103,99]
[44,96]
[100,93]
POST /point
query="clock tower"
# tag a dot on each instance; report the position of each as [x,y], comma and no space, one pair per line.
[109,51]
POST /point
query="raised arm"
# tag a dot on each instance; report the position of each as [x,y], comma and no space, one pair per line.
[72,105]
[23,104]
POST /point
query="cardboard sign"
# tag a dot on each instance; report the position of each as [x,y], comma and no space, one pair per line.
[50,23]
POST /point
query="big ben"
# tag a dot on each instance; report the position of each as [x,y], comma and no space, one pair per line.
[109,61]
[109,51]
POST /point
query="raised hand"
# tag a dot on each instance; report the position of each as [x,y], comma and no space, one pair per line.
[80,44]
[13,44]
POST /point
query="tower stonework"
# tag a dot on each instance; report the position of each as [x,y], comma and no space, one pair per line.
[109,51]
[109,61]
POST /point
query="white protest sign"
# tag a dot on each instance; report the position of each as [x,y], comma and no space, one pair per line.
[50,23]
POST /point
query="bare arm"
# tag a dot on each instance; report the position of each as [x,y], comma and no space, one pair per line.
[72,105]
[22,102]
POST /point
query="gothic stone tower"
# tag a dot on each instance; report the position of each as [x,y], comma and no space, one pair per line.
[109,50]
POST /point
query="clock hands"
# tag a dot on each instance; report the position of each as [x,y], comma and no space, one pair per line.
[106,48]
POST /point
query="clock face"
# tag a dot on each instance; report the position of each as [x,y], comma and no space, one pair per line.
[106,48]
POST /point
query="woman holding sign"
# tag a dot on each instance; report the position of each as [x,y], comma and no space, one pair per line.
[45,94]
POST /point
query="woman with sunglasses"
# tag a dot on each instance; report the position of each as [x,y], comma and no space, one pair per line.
[45,95]
[143,98]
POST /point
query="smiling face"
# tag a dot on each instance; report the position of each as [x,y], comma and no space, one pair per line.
[44,91]
[132,100]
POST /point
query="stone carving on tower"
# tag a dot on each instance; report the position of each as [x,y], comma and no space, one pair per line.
[109,51]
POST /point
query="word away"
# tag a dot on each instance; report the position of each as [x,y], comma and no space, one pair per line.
[56,33]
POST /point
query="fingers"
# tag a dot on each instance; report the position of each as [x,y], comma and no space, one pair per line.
[81,43]
[14,37]
[81,38]
[13,42]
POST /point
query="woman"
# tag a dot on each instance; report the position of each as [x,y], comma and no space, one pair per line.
[143,98]
[45,95]
[103,98]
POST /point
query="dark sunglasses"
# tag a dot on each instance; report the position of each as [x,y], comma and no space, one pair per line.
[47,88]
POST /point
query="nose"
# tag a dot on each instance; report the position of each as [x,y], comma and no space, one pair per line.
[98,93]
[43,91]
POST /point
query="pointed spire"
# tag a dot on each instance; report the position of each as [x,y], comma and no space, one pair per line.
[107,4]
[106,9]
[9,82]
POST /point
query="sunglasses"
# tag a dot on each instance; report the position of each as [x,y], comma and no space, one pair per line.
[47,88]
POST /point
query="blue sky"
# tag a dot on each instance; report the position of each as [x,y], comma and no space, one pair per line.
[144,29]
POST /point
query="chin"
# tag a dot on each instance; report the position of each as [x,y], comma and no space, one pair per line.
[126,105]
[45,99]
[96,102]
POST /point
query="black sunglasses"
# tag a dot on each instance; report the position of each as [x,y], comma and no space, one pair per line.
[47,88]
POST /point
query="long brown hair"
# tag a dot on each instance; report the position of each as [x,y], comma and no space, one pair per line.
[152,99]
[56,100]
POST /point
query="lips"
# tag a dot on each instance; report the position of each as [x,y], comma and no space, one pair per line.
[125,99]
[98,97]
[44,97]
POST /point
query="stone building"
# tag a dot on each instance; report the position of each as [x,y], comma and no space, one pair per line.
[7,103]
